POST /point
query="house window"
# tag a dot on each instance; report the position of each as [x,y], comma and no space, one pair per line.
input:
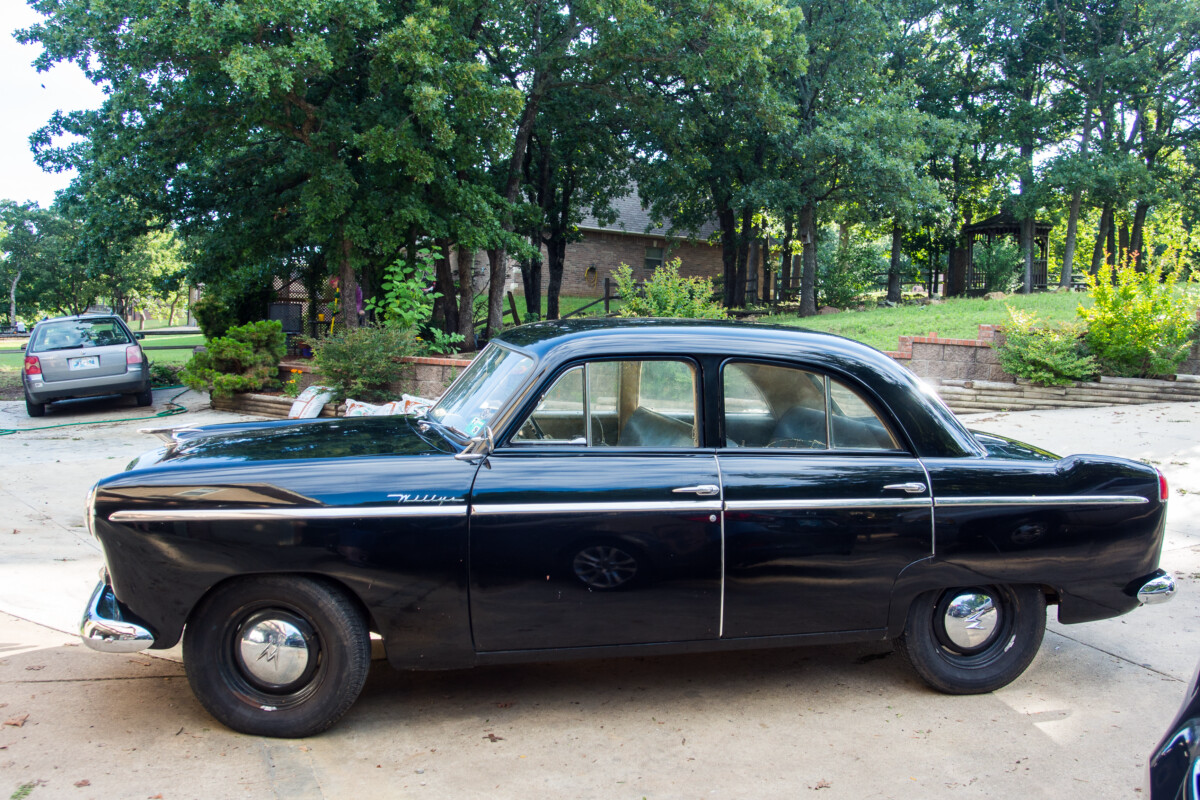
[654,258]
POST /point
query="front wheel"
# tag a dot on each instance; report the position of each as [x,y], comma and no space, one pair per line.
[277,655]
[973,639]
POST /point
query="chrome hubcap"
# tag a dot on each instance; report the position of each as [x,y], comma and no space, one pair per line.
[971,620]
[274,649]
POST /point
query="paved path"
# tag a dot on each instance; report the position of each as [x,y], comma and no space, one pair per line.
[838,722]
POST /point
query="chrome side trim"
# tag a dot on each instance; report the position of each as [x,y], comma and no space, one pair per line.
[489,509]
[1157,590]
[301,512]
[1042,500]
[721,519]
[850,502]
[932,516]
[105,631]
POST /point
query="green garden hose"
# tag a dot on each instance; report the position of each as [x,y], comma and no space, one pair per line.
[172,410]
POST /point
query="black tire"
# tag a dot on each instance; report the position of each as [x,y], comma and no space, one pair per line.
[941,659]
[145,398]
[335,639]
[34,409]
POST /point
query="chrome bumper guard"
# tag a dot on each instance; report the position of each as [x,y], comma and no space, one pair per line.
[1159,588]
[105,629]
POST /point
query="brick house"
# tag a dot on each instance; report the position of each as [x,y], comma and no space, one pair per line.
[631,239]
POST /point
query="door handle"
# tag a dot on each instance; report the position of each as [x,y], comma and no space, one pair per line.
[911,488]
[704,490]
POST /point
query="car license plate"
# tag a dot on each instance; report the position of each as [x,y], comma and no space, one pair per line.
[87,362]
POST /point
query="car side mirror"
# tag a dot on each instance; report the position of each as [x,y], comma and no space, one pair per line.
[139,335]
[479,447]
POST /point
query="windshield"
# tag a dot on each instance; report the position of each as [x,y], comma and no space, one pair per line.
[482,390]
[76,333]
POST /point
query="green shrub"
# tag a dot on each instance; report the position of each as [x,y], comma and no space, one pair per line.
[1051,355]
[361,362]
[1140,323]
[241,299]
[246,359]
[165,374]
[667,294]
[407,303]
[999,262]
[845,274]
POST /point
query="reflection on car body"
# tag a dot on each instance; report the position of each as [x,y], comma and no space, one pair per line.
[595,488]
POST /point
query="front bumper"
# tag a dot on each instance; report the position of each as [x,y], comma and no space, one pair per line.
[107,628]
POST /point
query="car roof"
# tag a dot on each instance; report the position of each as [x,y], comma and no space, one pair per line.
[79,317]
[933,428]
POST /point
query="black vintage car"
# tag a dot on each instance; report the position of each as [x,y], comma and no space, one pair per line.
[589,489]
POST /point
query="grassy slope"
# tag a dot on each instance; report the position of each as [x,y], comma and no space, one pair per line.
[957,318]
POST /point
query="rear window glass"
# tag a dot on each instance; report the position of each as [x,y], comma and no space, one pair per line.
[71,334]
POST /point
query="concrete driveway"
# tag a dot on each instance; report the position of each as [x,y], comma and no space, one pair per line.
[835,722]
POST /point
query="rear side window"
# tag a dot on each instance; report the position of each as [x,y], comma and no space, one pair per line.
[72,334]
[795,409]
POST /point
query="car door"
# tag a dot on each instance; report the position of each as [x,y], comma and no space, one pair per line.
[598,521]
[823,505]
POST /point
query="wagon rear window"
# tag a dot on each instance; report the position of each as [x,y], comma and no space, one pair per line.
[72,334]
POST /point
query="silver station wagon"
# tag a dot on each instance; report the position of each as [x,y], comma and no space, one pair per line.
[83,356]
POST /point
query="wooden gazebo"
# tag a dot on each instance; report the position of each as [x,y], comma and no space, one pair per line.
[1000,225]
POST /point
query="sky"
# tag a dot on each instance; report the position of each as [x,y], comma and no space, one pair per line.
[30,98]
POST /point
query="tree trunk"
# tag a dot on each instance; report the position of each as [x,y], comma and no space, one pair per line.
[346,286]
[447,303]
[1123,243]
[893,277]
[1027,228]
[1102,231]
[745,235]
[12,299]
[171,310]
[1137,235]
[752,261]
[557,252]
[466,297]
[765,293]
[1076,204]
[785,262]
[531,277]
[728,253]
[497,261]
[808,257]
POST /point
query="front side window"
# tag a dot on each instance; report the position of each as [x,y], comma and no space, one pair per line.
[618,404]
[784,407]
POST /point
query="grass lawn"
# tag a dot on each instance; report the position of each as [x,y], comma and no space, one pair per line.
[956,318]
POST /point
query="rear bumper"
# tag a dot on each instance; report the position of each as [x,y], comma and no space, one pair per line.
[135,379]
[1158,587]
[107,627]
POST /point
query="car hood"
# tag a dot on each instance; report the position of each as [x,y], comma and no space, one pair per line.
[299,439]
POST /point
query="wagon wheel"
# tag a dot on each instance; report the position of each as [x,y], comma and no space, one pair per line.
[971,640]
[277,655]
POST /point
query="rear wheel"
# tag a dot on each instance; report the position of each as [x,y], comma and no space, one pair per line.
[974,639]
[34,409]
[145,398]
[277,655]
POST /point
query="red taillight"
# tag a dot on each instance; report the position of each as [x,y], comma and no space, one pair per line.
[1162,486]
[32,365]
[133,354]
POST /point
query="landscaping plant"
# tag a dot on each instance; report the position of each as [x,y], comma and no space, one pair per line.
[407,303]
[666,293]
[359,363]
[999,261]
[1140,323]
[1053,355]
[245,359]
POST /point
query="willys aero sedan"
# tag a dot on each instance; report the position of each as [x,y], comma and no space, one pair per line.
[594,488]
